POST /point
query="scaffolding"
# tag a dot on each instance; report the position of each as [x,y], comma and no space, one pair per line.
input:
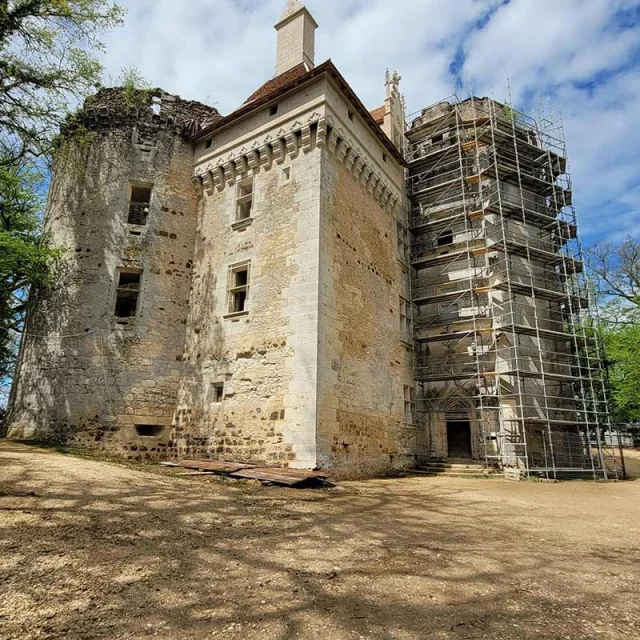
[504,335]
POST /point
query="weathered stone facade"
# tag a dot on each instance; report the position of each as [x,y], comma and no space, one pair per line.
[84,373]
[295,199]
[246,287]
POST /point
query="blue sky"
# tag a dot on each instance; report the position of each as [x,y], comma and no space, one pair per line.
[580,58]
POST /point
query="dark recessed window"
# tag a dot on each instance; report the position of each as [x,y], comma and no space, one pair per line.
[127,293]
[139,201]
[207,143]
[218,392]
[273,109]
[149,430]
[350,114]
[445,238]
[385,157]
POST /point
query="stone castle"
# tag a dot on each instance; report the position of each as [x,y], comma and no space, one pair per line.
[246,287]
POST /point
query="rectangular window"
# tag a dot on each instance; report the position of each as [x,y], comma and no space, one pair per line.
[273,109]
[127,293]
[238,288]
[218,392]
[406,324]
[139,201]
[444,238]
[409,405]
[244,200]
[404,242]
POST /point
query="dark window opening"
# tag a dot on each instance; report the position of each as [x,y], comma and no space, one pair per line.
[444,239]
[273,109]
[238,288]
[437,139]
[149,430]
[350,113]
[218,392]
[127,294]
[207,143]
[139,200]
[385,157]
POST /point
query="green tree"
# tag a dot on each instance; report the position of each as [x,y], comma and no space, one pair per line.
[615,269]
[47,62]
[26,257]
[623,350]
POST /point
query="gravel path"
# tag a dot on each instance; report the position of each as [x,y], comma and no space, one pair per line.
[91,550]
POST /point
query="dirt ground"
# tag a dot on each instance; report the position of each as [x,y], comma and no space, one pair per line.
[90,550]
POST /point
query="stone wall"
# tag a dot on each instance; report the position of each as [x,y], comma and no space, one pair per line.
[84,375]
[364,365]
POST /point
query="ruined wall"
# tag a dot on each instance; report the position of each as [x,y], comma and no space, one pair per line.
[86,375]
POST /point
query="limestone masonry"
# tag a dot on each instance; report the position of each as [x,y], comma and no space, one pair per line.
[245,287]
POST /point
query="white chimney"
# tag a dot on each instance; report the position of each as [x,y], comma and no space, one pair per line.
[296,38]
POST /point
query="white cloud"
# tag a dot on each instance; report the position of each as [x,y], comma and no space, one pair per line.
[577,51]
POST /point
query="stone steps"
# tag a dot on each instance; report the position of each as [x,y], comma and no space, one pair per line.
[450,468]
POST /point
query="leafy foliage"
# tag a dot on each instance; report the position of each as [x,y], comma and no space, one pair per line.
[616,269]
[47,63]
[26,257]
[47,60]
[623,350]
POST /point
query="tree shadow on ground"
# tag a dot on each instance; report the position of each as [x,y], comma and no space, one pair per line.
[102,551]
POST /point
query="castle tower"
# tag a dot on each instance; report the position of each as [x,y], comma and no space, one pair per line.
[101,360]
[298,352]
[505,359]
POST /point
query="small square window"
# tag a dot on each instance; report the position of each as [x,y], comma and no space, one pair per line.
[127,293]
[238,288]
[444,238]
[244,200]
[350,114]
[273,109]
[208,142]
[217,389]
[286,173]
[385,157]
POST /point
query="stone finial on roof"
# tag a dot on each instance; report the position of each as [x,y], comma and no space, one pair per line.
[292,7]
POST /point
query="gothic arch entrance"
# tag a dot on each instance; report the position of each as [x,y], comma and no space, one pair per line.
[457,415]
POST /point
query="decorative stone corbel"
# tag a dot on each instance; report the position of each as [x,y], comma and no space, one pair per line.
[253,160]
[321,138]
[291,140]
[306,138]
[332,140]
[266,157]
[278,150]
[207,183]
[217,174]
[229,169]
[241,165]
